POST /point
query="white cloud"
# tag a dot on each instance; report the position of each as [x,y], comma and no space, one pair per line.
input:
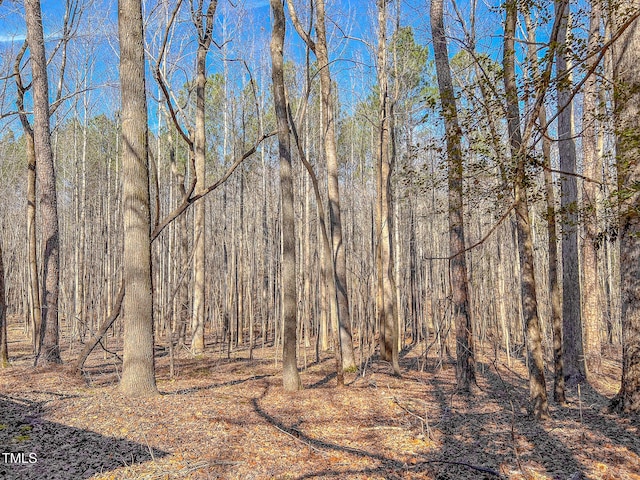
[16,37]
[252,4]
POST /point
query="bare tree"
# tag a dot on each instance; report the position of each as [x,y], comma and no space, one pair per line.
[4,351]
[204,26]
[552,236]
[537,385]
[49,349]
[574,369]
[592,313]
[386,293]
[320,49]
[465,367]
[290,376]
[138,371]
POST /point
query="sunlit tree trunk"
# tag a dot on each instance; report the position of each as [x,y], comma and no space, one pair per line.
[49,351]
[290,376]
[465,367]
[138,370]
[335,218]
[386,295]
[537,385]
[552,236]
[204,26]
[592,311]
[574,366]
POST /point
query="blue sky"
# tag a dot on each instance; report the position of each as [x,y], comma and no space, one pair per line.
[248,33]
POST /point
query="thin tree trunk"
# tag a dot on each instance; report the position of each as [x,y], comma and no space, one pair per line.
[465,371]
[290,376]
[592,300]
[4,351]
[574,366]
[537,386]
[335,217]
[49,350]
[386,296]
[204,26]
[552,237]
[197,342]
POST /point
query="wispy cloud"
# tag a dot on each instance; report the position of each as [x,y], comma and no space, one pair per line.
[16,37]
[253,4]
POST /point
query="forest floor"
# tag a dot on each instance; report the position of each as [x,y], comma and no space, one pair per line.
[230,419]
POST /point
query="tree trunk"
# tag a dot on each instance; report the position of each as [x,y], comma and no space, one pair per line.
[592,311]
[49,350]
[465,366]
[138,371]
[552,237]
[554,284]
[34,286]
[204,26]
[4,351]
[197,323]
[331,157]
[627,119]
[386,296]
[537,386]
[574,367]
[290,376]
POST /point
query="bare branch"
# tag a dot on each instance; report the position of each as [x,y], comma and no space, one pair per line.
[188,200]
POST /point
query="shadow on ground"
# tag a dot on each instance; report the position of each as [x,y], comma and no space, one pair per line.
[34,448]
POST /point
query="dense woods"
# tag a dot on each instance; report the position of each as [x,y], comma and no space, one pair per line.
[455,183]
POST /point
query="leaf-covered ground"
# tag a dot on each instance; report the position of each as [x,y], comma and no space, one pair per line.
[230,418]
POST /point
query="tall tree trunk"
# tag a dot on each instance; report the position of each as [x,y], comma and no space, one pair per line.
[204,26]
[554,283]
[592,311]
[49,350]
[290,376]
[465,366]
[32,241]
[4,351]
[574,367]
[552,236]
[627,119]
[35,312]
[138,371]
[386,296]
[335,219]
[537,385]
[197,322]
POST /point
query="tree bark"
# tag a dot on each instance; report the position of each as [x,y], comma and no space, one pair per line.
[465,365]
[552,236]
[627,128]
[537,386]
[574,366]
[335,219]
[290,376]
[386,296]
[204,27]
[49,349]
[592,312]
[4,351]
[138,371]
[35,312]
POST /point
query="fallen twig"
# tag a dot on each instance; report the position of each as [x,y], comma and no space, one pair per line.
[462,464]
[300,440]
